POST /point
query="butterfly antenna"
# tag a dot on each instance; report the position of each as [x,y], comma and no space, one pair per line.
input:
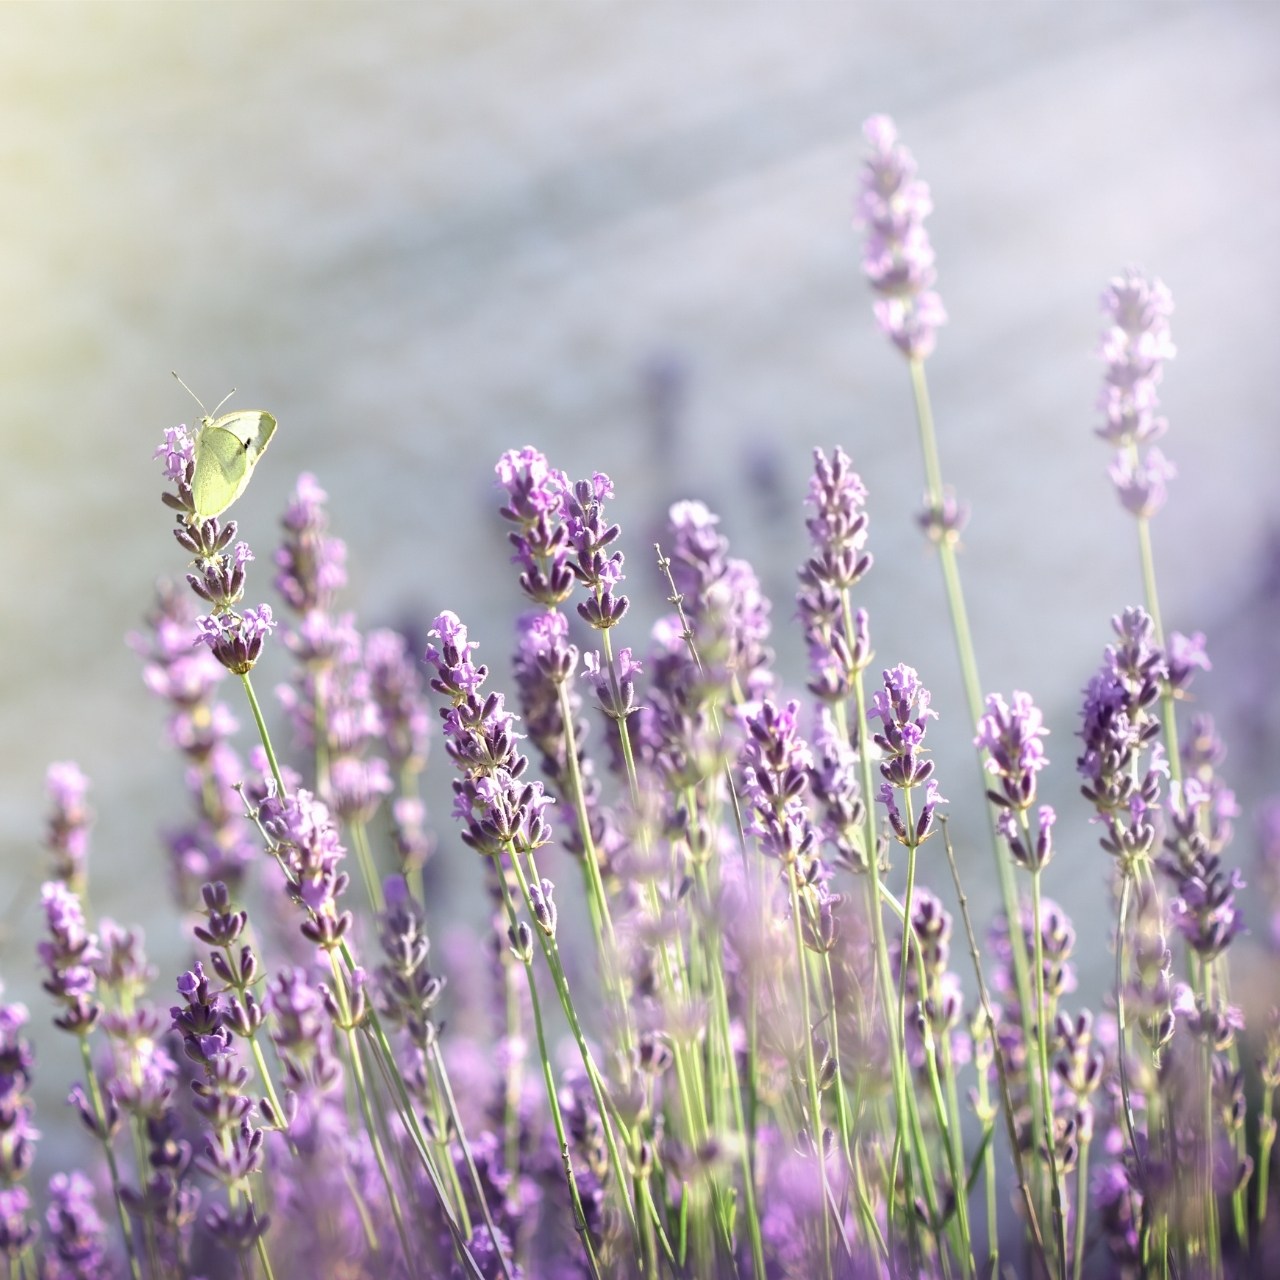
[224,400]
[189,392]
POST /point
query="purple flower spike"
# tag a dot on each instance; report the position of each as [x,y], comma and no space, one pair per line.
[902,707]
[898,258]
[839,560]
[1011,737]
[593,565]
[536,497]
[236,640]
[1142,482]
[17,1134]
[16,1231]
[307,846]
[67,833]
[1135,344]
[311,567]
[77,1237]
[775,770]
[69,954]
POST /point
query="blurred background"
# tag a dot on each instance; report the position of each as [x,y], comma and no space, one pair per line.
[422,236]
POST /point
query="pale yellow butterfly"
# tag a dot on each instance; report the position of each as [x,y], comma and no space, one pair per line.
[227,450]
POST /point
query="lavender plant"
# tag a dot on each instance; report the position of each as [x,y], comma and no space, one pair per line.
[755,1056]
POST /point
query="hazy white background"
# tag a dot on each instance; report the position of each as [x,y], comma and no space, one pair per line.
[422,235]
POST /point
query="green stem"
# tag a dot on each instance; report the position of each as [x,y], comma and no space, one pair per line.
[1019,1165]
[1266,1140]
[366,1110]
[1042,1044]
[99,1114]
[810,1065]
[1082,1210]
[264,735]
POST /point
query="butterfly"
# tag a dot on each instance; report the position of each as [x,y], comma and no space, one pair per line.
[227,450]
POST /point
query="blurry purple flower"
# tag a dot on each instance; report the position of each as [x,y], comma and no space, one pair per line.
[943,520]
[311,567]
[1142,483]
[67,830]
[726,612]
[1135,344]
[898,258]
[69,954]
[838,792]
[397,689]
[1269,858]
[18,1135]
[76,1240]
[17,1232]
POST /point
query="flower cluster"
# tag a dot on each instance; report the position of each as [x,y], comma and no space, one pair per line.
[738,1046]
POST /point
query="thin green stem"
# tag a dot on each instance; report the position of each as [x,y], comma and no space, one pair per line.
[99,1115]
[897,1055]
[366,1110]
[1042,1045]
[264,735]
[552,955]
[1082,1209]
[810,1065]
[1266,1141]
[368,871]
[1015,1147]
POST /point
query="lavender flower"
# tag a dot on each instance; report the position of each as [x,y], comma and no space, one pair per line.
[1201,809]
[408,990]
[1135,344]
[69,954]
[396,689]
[67,833]
[310,566]
[1269,860]
[898,258]
[496,807]
[775,772]
[535,506]
[938,1005]
[77,1248]
[543,665]
[902,707]
[838,793]
[592,565]
[305,842]
[722,602]
[1119,723]
[18,1135]
[1011,737]
[17,1232]
[839,560]
[236,640]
